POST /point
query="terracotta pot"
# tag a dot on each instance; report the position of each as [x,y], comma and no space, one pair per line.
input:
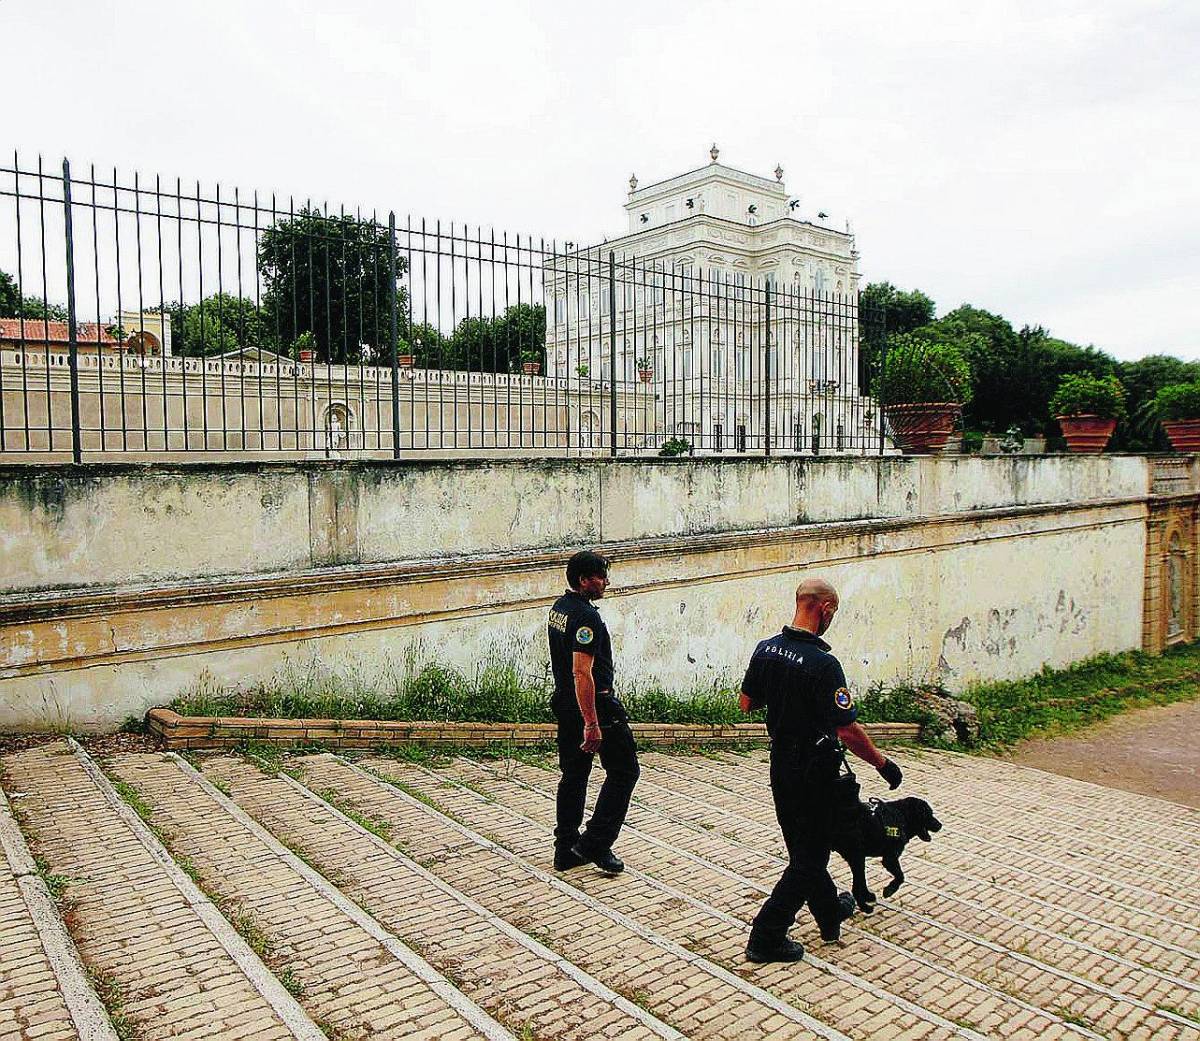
[531,368]
[645,375]
[1184,434]
[1086,434]
[922,426]
[308,356]
[405,361]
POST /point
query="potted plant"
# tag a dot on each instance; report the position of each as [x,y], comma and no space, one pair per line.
[921,389]
[304,348]
[645,370]
[1087,408]
[1177,406]
[531,361]
[582,371]
[406,361]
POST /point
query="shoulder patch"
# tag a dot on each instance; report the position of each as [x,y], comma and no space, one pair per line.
[584,635]
[843,698]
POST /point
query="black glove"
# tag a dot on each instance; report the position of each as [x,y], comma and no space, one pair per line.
[890,772]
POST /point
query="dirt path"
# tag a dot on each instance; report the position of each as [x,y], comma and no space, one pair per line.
[1154,751]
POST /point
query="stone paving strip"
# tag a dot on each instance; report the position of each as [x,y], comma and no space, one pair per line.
[1048,857]
[352,977]
[141,926]
[690,902]
[969,939]
[513,976]
[1147,937]
[731,899]
[694,994]
[1004,919]
[44,992]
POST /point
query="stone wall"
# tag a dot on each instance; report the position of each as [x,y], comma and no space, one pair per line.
[125,584]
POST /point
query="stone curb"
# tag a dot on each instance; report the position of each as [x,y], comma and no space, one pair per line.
[84,1007]
[290,1013]
[174,732]
[404,954]
[580,976]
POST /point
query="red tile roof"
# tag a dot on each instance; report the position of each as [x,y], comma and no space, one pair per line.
[34,332]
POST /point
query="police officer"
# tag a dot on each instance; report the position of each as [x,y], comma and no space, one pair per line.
[811,721]
[590,720]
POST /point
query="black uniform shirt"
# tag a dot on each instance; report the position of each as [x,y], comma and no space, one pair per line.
[801,684]
[576,625]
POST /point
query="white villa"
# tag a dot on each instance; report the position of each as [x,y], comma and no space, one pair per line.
[713,259]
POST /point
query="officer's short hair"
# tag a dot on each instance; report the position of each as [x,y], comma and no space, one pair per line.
[584,564]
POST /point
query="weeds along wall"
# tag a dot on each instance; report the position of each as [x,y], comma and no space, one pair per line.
[124,585]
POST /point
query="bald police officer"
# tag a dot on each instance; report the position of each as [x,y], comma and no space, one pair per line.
[811,720]
[590,720]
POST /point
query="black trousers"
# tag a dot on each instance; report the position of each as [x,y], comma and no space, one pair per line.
[618,756]
[805,806]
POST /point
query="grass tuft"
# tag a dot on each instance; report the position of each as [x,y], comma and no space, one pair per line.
[141,806]
[1059,701]
[498,691]
[112,997]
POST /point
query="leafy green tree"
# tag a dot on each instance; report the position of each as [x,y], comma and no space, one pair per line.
[522,334]
[884,310]
[10,296]
[15,305]
[1142,380]
[1013,373]
[328,275]
[220,323]
[425,343]
[497,344]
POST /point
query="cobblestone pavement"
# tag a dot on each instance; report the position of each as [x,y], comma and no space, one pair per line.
[216,898]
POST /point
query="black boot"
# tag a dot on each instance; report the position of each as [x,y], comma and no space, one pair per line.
[606,860]
[565,859]
[832,932]
[762,949]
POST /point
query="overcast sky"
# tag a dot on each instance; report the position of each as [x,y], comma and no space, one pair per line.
[1036,159]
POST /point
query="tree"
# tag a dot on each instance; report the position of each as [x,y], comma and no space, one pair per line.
[884,310]
[425,343]
[522,334]
[1014,373]
[15,305]
[10,296]
[497,344]
[328,275]
[1142,379]
[218,324]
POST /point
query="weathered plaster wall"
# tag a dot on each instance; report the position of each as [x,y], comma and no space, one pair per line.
[131,584]
[122,524]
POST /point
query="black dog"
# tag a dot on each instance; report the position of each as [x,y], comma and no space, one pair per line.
[881,829]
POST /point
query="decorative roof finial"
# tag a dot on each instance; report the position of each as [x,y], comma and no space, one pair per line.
[778,172]
[633,182]
[714,152]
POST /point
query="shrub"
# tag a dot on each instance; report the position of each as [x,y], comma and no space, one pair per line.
[675,446]
[1083,394]
[921,370]
[1178,401]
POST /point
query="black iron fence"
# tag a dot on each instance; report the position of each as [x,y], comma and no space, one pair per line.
[155,318]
